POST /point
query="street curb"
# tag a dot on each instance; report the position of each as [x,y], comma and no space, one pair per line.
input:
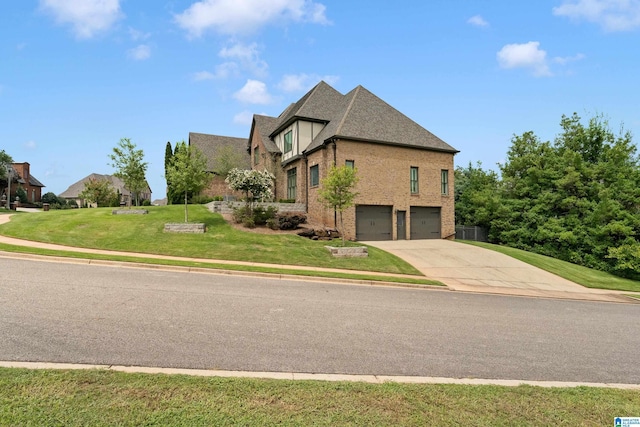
[221,271]
[305,376]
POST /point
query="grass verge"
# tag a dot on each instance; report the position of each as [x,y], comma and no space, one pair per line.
[99,229]
[219,266]
[101,398]
[584,276]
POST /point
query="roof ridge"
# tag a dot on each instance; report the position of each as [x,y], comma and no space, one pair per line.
[355,92]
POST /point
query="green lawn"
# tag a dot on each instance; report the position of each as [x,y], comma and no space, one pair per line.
[581,275]
[105,398]
[98,228]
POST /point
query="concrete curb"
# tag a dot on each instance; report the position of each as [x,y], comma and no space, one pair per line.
[221,271]
[304,376]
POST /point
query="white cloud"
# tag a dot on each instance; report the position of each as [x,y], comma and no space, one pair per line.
[477,21]
[566,59]
[244,118]
[525,55]
[140,52]
[254,92]
[87,17]
[223,71]
[30,145]
[203,75]
[303,82]
[611,15]
[138,35]
[247,55]
[246,16]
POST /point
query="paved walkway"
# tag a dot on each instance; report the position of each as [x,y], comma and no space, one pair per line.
[469,268]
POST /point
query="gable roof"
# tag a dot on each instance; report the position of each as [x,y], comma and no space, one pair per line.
[359,115]
[265,126]
[76,188]
[20,180]
[209,145]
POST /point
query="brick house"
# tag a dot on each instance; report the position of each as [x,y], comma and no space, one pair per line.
[21,177]
[405,172]
[220,152]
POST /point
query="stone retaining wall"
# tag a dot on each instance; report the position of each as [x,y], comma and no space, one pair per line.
[129,212]
[184,227]
[228,207]
[357,251]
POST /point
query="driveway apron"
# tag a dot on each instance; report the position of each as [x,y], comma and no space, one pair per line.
[464,267]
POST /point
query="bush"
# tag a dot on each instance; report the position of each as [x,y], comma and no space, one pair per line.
[262,215]
[146,202]
[249,222]
[290,221]
[286,200]
[201,199]
[218,198]
[240,214]
[272,223]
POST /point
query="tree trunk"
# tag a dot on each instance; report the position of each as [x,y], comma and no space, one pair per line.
[341,228]
[186,211]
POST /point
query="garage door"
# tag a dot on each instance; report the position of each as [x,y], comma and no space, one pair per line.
[425,223]
[373,222]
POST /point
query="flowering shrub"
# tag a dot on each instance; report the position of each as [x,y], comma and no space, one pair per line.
[254,184]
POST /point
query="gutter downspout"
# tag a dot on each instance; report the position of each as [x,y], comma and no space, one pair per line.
[306,182]
[335,213]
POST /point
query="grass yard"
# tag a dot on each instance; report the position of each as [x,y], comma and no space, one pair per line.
[99,229]
[584,276]
[103,398]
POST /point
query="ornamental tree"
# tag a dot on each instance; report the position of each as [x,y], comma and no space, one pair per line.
[130,167]
[254,184]
[100,192]
[187,173]
[337,191]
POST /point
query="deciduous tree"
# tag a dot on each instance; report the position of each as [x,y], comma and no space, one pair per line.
[187,173]
[100,192]
[130,167]
[337,191]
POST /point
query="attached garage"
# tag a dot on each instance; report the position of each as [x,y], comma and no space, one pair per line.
[374,222]
[425,223]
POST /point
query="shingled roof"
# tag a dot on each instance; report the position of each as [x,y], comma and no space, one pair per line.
[210,145]
[76,188]
[359,115]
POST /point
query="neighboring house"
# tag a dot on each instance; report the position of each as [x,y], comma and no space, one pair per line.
[21,177]
[221,152]
[126,197]
[405,172]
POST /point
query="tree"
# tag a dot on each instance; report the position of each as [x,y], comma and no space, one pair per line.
[575,199]
[5,160]
[476,195]
[100,192]
[226,159]
[130,167]
[187,173]
[168,159]
[254,184]
[337,190]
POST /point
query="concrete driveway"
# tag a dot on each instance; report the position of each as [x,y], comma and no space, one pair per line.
[464,267]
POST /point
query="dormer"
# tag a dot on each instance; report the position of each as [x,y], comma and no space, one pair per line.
[293,138]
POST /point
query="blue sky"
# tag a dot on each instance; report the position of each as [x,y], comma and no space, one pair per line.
[78,75]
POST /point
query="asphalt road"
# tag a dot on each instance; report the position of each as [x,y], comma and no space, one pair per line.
[59,312]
